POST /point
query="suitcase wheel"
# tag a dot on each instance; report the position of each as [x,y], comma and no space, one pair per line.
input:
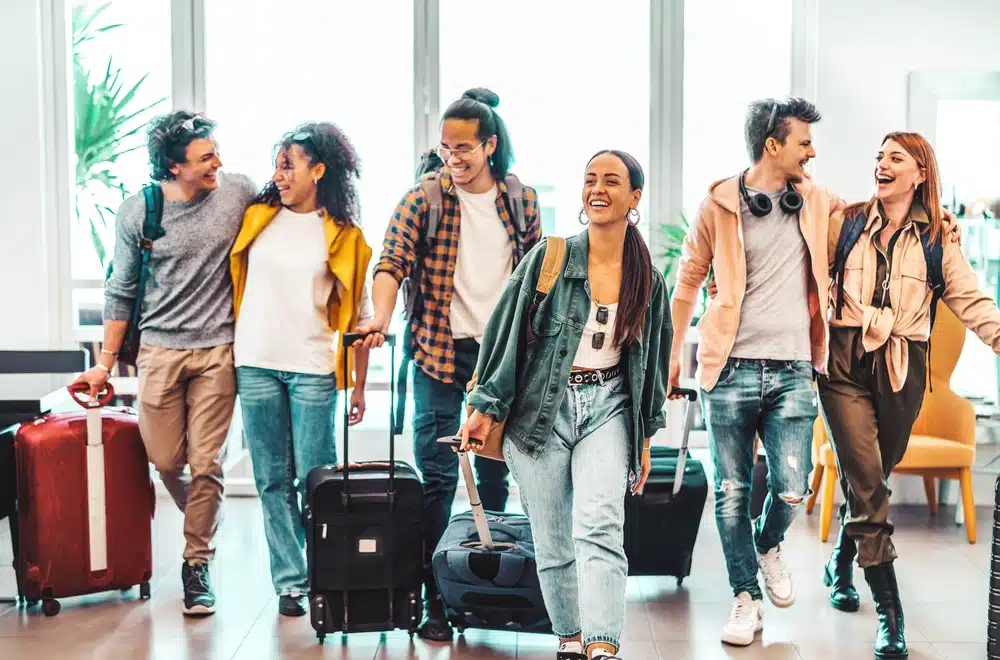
[680,581]
[144,591]
[50,607]
[321,637]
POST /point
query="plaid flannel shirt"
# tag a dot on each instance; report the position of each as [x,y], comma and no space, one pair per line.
[434,348]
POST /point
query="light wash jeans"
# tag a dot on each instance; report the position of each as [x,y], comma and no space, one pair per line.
[574,495]
[775,399]
[289,423]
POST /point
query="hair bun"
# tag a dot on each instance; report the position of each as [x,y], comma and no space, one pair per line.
[483,95]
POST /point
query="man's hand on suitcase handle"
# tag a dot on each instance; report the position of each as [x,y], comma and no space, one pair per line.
[372,334]
[96,380]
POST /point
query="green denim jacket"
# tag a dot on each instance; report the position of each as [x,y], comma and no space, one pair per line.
[526,387]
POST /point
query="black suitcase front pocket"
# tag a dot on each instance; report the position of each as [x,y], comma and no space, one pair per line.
[352,553]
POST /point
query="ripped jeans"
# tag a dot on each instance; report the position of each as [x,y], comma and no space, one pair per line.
[775,399]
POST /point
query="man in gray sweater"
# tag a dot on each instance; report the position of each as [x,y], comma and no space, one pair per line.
[187,383]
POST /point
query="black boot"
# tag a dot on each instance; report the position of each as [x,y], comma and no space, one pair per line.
[435,626]
[890,643]
[838,574]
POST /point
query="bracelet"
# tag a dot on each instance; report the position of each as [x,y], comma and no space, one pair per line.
[105,351]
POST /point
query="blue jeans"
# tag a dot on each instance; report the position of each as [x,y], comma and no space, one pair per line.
[775,399]
[288,419]
[437,411]
[574,495]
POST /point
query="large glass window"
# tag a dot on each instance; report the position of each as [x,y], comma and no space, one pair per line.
[570,83]
[721,37]
[347,63]
[121,77]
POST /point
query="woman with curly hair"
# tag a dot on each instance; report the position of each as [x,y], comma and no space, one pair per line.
[298,267]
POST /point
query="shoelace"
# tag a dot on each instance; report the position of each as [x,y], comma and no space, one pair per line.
[742,610]
[773,568]
[197,580]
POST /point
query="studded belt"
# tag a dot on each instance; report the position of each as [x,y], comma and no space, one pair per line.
[594,376]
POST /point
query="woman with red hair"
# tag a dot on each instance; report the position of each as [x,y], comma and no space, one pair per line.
[891,267]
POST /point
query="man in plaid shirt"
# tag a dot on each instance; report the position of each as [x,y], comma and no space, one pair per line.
[459,284]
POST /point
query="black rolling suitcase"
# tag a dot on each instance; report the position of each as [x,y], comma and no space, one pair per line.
[485,569]
[661,524]
[364,540]
[993,615]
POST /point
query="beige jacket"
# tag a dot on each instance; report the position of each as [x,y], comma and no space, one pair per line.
[908,316]
[715,240]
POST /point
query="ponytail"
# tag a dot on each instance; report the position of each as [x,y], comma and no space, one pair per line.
[636,290]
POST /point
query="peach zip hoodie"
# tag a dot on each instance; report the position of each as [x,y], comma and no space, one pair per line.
[715,240]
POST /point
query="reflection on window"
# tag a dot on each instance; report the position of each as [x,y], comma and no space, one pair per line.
[721,38]
[121,77]
[268,71]
[970,176]
[579,85]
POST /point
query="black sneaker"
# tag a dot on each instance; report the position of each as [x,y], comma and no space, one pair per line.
[435,626]
[198,596]
[289,605]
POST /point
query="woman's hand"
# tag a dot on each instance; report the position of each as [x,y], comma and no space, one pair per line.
[376,330]
[647,465]
[357,412]
[950,224]
[477,426]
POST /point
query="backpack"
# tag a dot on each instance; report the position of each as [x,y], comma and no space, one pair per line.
[152,229]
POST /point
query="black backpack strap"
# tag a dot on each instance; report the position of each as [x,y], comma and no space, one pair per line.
[850,232]
[933,257]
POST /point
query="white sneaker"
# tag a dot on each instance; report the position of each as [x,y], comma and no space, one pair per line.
[777,579]
[745,619]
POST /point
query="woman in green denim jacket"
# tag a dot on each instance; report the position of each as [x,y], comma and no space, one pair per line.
[581,401]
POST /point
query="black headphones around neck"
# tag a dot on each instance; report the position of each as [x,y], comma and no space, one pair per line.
[760,204]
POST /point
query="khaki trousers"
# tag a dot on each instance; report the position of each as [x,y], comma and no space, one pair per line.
[869,427]
[186,401]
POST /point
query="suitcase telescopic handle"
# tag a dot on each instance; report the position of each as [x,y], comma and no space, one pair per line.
[103,399]
[390,341]
[691,396]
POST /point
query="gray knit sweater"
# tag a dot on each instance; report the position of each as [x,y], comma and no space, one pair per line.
[189,293]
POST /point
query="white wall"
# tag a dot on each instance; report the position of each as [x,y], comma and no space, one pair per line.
[865,50]
[30,268]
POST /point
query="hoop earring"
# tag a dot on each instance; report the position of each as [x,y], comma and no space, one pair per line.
[633,217]
[583,217]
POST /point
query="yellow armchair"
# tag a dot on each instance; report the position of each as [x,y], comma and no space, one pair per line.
[943,441]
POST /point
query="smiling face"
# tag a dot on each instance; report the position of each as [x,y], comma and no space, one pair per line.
[607,194]
[200,170]
[296,178]
[897,172]
[465,154]
[790,158]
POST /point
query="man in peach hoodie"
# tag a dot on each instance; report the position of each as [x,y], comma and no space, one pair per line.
[763,232]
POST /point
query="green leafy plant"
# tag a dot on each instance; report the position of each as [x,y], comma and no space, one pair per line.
[106,123]
[671,240]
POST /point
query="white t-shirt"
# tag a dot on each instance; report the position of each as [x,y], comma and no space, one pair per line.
[588,357]
[283,323]
[485,262]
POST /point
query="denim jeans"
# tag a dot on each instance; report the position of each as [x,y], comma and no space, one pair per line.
[775,399]
[288,419]
[574,495]
[437,411]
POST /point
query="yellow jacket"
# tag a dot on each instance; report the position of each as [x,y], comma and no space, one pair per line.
[348,259]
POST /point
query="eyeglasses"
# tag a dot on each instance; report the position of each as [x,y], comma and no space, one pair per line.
[444,153]
[597,342]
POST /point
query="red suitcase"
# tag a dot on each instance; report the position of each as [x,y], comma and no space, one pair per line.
[85,502]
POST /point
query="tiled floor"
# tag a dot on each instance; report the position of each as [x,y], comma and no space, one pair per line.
[944,583]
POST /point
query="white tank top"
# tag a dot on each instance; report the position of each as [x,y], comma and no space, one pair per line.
[588,357]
